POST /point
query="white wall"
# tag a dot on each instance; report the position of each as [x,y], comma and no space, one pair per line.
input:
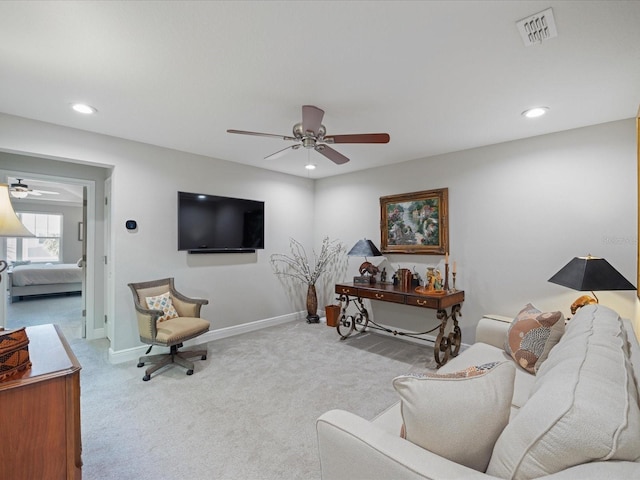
[519,211]
[241,288]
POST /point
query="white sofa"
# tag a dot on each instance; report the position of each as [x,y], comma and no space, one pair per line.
[577,418]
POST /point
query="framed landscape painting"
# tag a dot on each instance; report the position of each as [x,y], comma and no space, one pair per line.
[415,222]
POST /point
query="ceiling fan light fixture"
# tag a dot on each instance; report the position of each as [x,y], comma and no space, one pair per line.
[83,108]
[535,112]
[19,193]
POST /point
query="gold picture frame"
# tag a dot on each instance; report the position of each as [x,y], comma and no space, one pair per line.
[415,223]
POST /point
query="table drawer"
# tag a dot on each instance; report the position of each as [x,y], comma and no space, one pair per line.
[346,290]
[426,302]
[382,296]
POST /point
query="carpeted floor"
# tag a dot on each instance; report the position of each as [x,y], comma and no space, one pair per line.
[249,410]
[63,310]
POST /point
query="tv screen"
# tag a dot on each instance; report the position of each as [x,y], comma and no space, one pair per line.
[211,223]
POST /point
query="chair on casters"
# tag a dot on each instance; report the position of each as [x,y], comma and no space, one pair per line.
[167,318]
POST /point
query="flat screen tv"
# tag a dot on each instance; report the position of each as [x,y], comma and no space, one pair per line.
[215,224]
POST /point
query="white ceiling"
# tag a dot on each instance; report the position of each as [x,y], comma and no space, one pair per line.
[438,76]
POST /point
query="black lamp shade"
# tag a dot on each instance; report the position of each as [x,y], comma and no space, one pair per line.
[364,248]
[591,274]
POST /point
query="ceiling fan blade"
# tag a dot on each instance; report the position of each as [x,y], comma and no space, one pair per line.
[333,155]
[358,138]
[311,118]
[46,192]
[280,153]
[35,193]
[258,134]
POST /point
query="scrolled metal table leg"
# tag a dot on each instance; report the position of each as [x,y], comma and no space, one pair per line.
[345,322]
[442,347]
[448,345]
[362,317]
[455,337]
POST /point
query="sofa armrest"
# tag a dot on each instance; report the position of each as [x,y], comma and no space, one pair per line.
[352,448]
[492,329]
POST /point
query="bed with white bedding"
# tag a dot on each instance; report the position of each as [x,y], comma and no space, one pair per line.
[46,278]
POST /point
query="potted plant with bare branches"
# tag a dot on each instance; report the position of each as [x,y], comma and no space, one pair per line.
[297,266]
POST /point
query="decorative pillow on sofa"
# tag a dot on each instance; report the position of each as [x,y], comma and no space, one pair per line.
[583,406]
[532,335]
[162,302]
[458,415]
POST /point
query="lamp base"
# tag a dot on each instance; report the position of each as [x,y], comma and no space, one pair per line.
[364,280]
[581,302]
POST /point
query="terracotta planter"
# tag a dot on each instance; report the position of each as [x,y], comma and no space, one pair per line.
[333,315]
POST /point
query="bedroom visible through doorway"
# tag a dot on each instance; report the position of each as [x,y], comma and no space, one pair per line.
[46,278]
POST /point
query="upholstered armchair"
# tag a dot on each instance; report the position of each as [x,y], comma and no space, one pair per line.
[167,318]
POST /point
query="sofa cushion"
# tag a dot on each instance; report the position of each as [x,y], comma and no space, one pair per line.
[583,405]
[438,416]
[531,336]
[162,302]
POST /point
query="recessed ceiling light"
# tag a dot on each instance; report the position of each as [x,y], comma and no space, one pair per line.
[83,108]
[310,166]
[535,112]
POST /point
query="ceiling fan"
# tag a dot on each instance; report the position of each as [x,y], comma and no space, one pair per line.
[310,133]
[21,190]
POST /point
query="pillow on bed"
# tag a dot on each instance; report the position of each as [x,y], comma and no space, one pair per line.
[17,263]
[162,302]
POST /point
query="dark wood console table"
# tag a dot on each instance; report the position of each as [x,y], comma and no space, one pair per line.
[445,345]
[40,412]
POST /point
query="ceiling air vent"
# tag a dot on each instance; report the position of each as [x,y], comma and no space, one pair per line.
[537,28]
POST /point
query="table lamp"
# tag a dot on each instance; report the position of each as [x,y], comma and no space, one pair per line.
[589,274]
[365,248]
[10,225]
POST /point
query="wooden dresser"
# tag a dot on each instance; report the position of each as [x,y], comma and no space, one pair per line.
[40,412]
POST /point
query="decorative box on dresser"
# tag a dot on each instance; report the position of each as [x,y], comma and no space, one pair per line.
[40,412]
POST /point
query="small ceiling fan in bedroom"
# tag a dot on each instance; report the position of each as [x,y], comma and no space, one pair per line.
[21,190]
[310,133]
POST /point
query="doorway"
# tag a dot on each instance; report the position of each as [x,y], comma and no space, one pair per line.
[49,281]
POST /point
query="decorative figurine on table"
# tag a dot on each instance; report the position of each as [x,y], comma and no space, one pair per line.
[437,285]
[429,284]
[383,275]
[368,272]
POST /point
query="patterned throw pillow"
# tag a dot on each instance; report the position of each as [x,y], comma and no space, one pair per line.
[437,417]
[531,336]
[162,302]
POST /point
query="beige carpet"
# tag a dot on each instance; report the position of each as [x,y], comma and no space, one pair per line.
[249,410]
[63,310]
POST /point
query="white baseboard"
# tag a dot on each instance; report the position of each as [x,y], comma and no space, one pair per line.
[96,333]
[132,354]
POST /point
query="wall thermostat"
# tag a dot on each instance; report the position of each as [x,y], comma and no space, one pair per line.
[131,224]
